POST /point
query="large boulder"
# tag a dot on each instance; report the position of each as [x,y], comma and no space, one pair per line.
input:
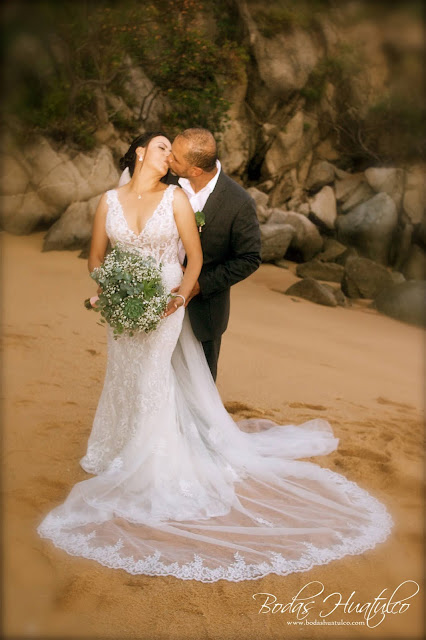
[275,240]
[370,227]
[364,278]
[405,301]
[40,186]
[323,207]
[306,240]
[314,291]
[74,228]
[327,271]
[384,180]
[321,174]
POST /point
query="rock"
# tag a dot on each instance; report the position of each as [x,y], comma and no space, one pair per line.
[306,240]
[261,201]
[303,168]
[236,144]
[23,213]
[415,266]
[304,209]
[345,186]
[415,195]
[290,145]
[311,290]
[338,294]
[364,278]
[397,277]
[106,135]
[285,61]
[343,257]
[332,250]
[263,213]
[275,240]
[150,104]
[390,181]
[362,193]
[320,174]
[320,271]
[323,207]
[404,301]
[15,176]
[73,229]
[54,181]
[258,196]
[370,227]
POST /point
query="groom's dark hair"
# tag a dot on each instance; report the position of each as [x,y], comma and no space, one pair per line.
[129,158]
[202,150]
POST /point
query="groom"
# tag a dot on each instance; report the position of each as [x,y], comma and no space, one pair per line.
[230,237]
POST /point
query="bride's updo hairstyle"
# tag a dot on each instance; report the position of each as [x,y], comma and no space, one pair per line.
[129,158]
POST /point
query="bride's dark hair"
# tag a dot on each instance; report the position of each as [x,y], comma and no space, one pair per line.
[129,158]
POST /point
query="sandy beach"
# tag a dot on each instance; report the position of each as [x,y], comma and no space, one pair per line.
[283,358]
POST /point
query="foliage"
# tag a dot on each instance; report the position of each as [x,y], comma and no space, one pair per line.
[85,49]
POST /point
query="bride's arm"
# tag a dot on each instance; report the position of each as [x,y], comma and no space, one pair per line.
[99,243]
[188,232]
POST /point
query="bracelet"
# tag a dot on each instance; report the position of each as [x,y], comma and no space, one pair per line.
[179,295]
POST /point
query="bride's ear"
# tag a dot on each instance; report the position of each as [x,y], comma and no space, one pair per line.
[140,153]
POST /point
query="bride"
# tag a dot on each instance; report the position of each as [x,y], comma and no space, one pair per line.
[179,488]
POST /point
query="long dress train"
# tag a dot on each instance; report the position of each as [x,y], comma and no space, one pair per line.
[179,488]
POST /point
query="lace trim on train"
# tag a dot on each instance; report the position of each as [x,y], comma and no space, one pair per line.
[370,535]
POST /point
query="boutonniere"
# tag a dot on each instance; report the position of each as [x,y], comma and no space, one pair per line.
[200,220]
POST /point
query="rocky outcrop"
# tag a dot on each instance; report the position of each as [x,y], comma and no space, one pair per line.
[43,183]
[74,228]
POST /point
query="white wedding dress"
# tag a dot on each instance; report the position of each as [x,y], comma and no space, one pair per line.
[179,488]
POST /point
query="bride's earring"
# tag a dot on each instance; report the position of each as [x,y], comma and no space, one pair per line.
[140,158]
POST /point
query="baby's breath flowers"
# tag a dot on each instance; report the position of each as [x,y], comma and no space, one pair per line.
[133,297]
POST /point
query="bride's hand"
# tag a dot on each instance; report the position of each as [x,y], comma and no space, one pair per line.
[173,305]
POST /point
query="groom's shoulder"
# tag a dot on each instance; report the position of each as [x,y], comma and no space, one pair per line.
[233,188]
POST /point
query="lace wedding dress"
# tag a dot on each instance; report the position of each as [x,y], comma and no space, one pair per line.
[179,488]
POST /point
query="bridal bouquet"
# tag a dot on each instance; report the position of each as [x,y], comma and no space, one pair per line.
[133,297]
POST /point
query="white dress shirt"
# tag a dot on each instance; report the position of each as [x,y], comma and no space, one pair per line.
[197,199]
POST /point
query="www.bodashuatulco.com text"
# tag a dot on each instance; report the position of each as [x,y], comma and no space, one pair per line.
[325,622]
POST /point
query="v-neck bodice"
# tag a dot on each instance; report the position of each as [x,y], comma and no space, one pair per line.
[159,236]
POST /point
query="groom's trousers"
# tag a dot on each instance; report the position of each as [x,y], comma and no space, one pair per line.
[211,351]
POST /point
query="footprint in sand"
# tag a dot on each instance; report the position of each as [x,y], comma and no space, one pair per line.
[247,411]
[401,405]
[301,405]
[93,352]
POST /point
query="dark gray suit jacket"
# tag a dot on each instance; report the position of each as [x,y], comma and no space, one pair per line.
[230,240]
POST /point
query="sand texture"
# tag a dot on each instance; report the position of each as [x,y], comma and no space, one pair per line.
[283,358]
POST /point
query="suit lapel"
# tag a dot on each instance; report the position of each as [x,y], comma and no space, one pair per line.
[214,200]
